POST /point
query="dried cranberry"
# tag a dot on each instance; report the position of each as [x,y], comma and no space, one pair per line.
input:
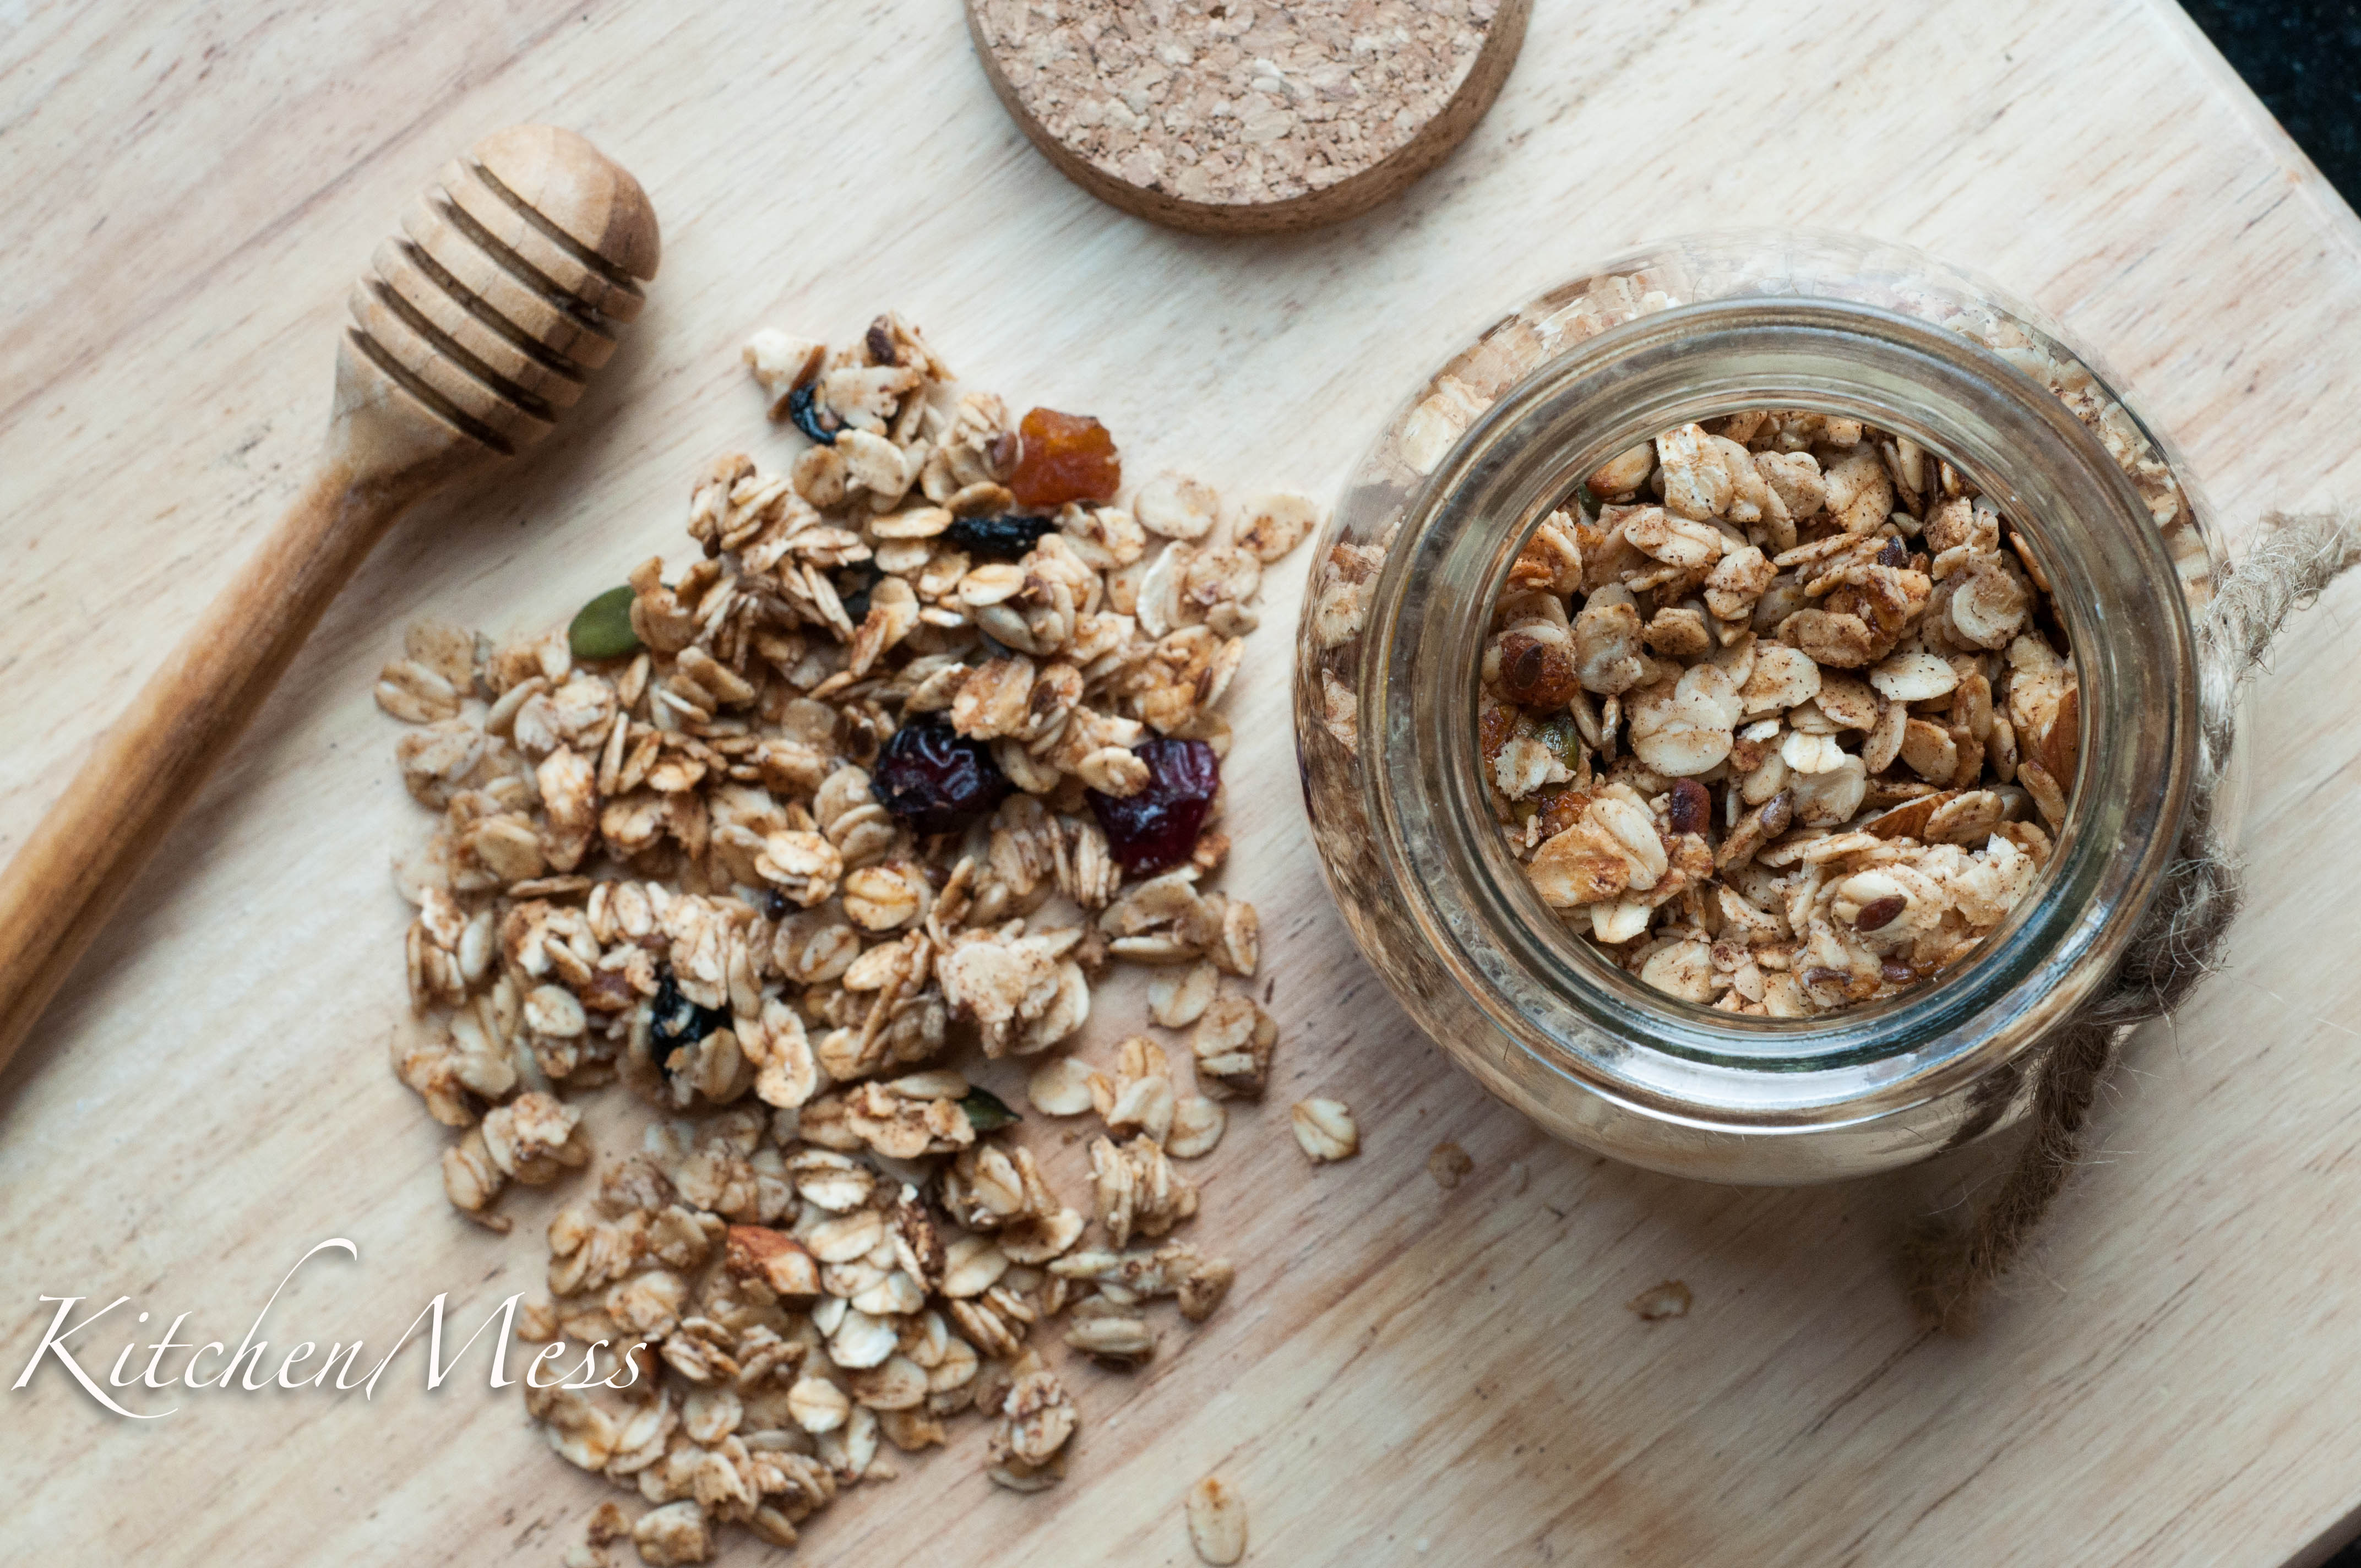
[999,538]
[934,778]
[1157,829]
[674,1021]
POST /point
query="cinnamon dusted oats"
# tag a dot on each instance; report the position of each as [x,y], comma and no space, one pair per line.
[1777,714]
[1325,1131]
[795,840]
[1217,1521]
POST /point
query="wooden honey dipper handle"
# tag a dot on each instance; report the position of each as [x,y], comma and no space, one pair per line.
[475,328]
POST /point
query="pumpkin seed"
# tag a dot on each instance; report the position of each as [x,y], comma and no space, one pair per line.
[602,630]
[986,1112]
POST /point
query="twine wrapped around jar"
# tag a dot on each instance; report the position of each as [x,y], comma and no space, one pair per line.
[2179,943]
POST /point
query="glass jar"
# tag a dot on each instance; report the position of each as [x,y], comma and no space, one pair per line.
[1399,608]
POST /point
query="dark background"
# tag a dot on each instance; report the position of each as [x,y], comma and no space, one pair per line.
[2302,57]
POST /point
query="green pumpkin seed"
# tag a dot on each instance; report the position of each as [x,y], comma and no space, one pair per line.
[986,1112]
[603,629]
[1562,738]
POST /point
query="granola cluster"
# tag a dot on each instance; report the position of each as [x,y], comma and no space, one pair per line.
[786,841]
[1778,713]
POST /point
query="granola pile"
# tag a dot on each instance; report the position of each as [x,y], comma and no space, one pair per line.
[873,791]
[1779,714]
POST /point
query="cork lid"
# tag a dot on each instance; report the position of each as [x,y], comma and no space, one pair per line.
[1232,116]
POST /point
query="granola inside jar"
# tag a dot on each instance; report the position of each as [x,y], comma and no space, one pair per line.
[1496,463]
[1774,712]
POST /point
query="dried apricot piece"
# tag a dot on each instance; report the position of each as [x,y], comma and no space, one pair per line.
[1067,457]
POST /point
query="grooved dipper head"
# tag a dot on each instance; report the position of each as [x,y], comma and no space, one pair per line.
[508,283]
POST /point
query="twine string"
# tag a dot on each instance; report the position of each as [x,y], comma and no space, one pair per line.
[2179,942]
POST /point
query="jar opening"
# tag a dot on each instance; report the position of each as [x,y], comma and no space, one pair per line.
[1458,536]
[1582,961]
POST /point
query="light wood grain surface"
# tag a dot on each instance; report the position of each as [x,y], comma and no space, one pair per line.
[1402,1375]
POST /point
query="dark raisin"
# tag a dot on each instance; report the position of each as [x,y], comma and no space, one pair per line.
[1691,808]
[1893,554]
[674,1021]
[1898,972]
[999,538]
[776,905]
[1157,829]
[807,417]
[880,342]
[853,585]
[934,778]
[1878,914]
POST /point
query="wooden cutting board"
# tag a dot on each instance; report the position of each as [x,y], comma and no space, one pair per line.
[1403,1374]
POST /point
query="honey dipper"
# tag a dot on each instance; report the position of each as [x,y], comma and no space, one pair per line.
[475,327]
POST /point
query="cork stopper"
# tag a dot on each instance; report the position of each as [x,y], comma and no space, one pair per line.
[1232,116]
